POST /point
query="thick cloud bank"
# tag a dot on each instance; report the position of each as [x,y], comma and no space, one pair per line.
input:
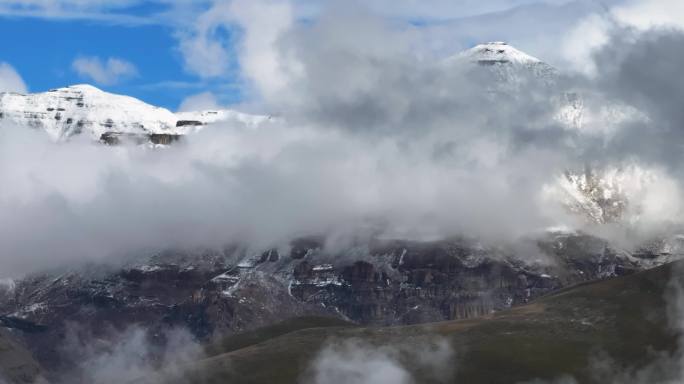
[129,356]
[372,136]
[353,361]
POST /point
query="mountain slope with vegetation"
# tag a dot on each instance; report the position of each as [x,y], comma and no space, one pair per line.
[587,332]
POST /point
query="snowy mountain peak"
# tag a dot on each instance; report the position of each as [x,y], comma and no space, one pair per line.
[498,52]
[508,68]
[64,112]
[83,108]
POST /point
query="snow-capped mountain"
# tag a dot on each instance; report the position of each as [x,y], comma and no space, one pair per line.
[501,69]
[85,109]
[499,52]
[506,63]
[65,112]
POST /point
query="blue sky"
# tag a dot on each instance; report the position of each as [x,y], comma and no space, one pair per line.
[42,42]
[43,51]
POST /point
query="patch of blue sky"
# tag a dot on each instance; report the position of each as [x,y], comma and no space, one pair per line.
[43,51]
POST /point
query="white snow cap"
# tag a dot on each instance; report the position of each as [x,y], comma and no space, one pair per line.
[498,52]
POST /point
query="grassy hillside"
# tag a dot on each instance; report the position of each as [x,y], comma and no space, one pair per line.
[624,319]
[16,364]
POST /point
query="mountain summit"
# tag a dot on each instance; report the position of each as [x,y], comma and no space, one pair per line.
[508,68]
[498,52]
[64,112]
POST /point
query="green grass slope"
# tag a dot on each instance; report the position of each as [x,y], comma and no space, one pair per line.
[623,318]
[17,366]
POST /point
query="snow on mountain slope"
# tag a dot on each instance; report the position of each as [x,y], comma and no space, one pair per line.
[77,109]
[598,196]
[627,194]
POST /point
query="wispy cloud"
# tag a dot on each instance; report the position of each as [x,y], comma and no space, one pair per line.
[10,80]
[199,102]
[119,12]
[593,33]
[105,72]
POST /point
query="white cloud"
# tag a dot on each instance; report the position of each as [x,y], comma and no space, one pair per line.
[128,355]
[205,53]
[120,9]
[102,72]
[593,32]
[377,136]
[646,14]
[102,11]
[200,102]
[353,361]
[264,22]
[118,12]
[582,41]
[254,34]
[432,10]
[10,80]
[207,47]
[217,36]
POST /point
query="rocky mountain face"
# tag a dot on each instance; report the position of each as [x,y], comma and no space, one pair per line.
[218,293]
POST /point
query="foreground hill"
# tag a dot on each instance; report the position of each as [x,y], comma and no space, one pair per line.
[588,332]
[17,366]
